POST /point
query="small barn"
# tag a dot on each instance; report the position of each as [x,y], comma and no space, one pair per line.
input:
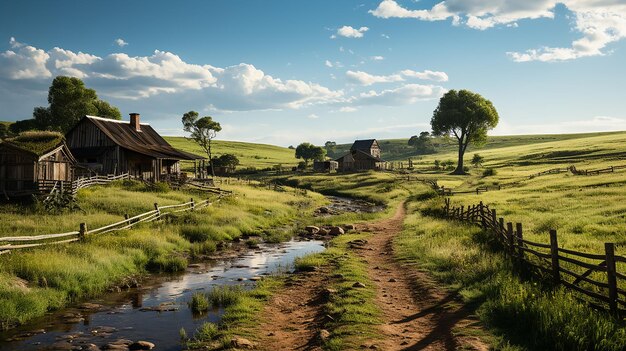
[107,146]
[364,155]
[34,162]
[325,166]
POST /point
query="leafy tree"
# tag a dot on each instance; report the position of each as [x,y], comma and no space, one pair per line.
[437,164]
[202,131]
[4,130]
[291,147]
[229,161]
[308,151]
[69,101]
[465,115]
[477,160]
[23,126]
[423,143]
[330,147]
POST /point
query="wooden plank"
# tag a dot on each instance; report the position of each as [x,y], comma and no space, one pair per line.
[582,254]
[554,254]
[536,253]
[36,237]
[596,268]
[532,243]
[586,292]
[609,249]
[580,277]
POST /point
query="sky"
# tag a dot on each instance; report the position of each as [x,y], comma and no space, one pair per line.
[284,72]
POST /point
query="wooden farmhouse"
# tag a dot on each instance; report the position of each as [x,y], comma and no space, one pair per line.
[107,146]
[34,162]
[364,155]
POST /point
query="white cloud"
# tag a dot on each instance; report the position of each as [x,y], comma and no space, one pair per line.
[364,78]
[349,32]
[600,22]
[404,95]
[594,124]
[426,75]
[335,64]
[385,36]
[235,88]
[377,58]
[348,109]
[312,116]
[120,42]
[328,64]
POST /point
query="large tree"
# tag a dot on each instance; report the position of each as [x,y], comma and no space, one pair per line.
[202,131]
[308,151]
[69,101]
[423,143]
[466,116]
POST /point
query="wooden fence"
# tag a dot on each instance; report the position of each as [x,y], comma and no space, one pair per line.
[588,172]
[593,275]
[22,242]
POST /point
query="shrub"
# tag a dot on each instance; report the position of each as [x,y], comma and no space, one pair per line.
[489,172]
[223,296]
[199,303]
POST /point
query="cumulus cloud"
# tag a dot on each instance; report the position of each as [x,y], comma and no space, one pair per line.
[404,95]
[426,75]
[312,116]
[235,88]
[600,22]
[364,78]
[348,109]
[120,42]
[377,58]
[349,32]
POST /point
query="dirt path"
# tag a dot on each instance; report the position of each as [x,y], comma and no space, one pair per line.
[416,314]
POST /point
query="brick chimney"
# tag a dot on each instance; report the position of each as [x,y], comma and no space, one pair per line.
[134,121]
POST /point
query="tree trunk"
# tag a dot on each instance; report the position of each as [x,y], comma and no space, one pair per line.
[459,166]
[211,159]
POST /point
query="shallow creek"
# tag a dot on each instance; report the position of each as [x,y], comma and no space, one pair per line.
[157,310]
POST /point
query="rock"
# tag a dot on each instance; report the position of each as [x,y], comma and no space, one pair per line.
[61,345]
[328,292]
[241,343]
[90,306]
[338,276]
[392,280]
[324,334]
[141,345]
[101,329]
[256,278]
[312,229]
[336,231]
[323,231]
[325,210]
[89,347]
[240,279]
[347,227]
[112,346]
[358,285]
[194,265]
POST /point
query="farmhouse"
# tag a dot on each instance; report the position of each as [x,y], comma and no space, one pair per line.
[34,162]
[107,146]
[363,155]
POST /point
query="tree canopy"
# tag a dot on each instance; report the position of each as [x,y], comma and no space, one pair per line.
[226,160]
[202,131]
[69,101]
[466,116]
[423,143]
[308,151]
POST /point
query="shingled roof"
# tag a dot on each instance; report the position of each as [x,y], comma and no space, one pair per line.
[146,142]
[365,144]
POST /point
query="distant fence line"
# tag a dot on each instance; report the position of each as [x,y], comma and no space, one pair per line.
[83,231]
[575,171]
[562,265]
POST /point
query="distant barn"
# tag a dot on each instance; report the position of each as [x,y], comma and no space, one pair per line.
[325,166]
[34,162]
[363,155]
[107,146]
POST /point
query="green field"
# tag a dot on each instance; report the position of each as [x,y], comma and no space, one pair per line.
[259,156]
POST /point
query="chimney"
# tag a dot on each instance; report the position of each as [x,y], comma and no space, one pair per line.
[134,121]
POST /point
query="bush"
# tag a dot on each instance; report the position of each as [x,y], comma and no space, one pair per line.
[199,303]
[489,172]
[223,296]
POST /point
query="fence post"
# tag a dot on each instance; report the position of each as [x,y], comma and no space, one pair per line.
[609,249]
[501,224]
[126,217]
[493,217]
[483,222]
[82,231]
[193,204]
[461,212]
[158,211]
[520,244]
[509,235]
[554,255]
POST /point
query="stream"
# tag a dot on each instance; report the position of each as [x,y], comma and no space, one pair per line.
[157,309]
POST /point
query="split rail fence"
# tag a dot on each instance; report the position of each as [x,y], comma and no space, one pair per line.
[593,275]
[7,244]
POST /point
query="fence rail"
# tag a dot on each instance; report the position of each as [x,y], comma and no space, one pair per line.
[23,242]
[592,275]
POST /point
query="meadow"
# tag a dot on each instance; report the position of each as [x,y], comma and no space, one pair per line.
[34,281]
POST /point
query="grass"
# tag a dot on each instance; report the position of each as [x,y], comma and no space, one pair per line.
[260,156]
[37,280]
[526,315]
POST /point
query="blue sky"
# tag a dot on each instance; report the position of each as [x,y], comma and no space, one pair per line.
[284,72]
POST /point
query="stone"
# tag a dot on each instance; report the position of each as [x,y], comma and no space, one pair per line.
[336,231]
[323,231]
[90,306]
[324,334]
[111,346]
[61,345]
[328,292]
[312,229]
[194,265]
[349,227]
[241,343]
[358,285]
[392,280]
[89,347]
[325,210]
[256,278]
[141,345]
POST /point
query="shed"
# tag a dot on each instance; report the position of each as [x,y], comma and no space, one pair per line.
[108,146]
[325,166]
[363,155]
[34,162]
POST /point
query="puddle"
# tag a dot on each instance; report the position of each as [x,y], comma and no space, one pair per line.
[156,311]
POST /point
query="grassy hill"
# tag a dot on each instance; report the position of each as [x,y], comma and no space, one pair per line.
[249,154]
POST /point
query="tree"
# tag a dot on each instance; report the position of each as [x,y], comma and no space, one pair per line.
[308,151]
[202,131]
[467,116]
[69,101]
[477,160]
[423,143]
[330,147]
[229,161]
